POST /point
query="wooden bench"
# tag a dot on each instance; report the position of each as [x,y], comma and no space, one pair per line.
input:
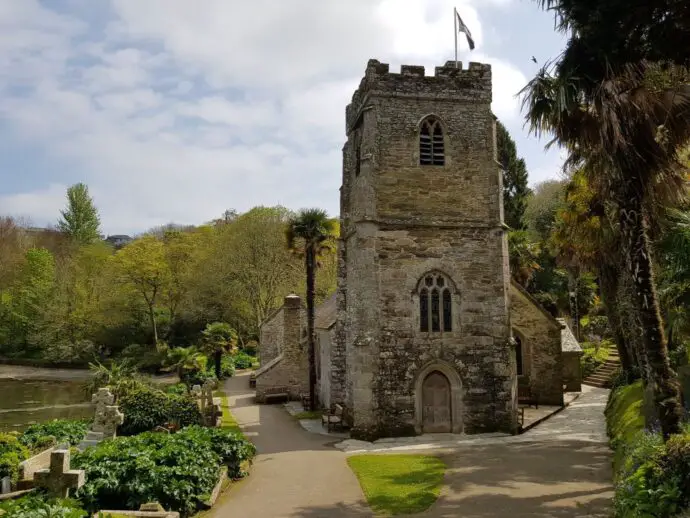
[280,391]
[526,397]
[334,418]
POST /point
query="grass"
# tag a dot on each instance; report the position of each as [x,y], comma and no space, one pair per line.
[625,419]
[398,484]
[309,414]
[592,359]
[229,422]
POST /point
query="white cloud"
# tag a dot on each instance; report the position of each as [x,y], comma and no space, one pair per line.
[176,113]
[37,206]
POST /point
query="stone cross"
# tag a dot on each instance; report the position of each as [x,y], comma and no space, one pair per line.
[5,485]
[59,479]
[208,392]
[107,421]
[207,408]
[102,398]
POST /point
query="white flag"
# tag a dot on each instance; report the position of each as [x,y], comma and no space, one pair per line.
[463,28]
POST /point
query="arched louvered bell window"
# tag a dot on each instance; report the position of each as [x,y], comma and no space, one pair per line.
[431,146]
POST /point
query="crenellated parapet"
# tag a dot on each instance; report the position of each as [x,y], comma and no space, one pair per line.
[448,82]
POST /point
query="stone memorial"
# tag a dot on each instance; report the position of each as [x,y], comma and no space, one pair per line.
[59,479]
[108,420]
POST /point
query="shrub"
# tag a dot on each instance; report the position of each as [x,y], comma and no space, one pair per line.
[178,389]
[227,367]
[12,452]
[251,347]
[37,507]
[197,377]
[652,478]
[592,357]
[147,408]
[653,481]
[177,470]
[243,361]
[144,357]
[42,435]
[183,411]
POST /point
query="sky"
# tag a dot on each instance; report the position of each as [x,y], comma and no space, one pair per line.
[176,110]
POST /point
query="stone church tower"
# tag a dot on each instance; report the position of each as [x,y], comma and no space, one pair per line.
[422,341]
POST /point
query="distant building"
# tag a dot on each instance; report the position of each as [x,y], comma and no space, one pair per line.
[118,240]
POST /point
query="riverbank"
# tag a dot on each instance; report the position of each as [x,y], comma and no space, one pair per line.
[24,373]
[21,372]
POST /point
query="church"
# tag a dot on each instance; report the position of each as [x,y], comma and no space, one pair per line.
[426,332]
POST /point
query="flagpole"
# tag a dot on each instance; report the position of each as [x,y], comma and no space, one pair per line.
[455,24]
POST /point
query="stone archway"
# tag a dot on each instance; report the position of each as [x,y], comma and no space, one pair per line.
[438,399]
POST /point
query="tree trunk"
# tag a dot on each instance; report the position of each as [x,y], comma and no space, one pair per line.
[218,357]
[152,317]
[310,260]
[661,376]
[608,282]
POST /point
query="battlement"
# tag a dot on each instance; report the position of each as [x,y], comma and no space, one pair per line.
[448,82]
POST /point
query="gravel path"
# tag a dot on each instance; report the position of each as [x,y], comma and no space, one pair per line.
[295,474]
[559,469]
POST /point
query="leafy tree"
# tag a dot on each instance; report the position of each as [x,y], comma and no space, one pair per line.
[307,234]
[218,337]
[619,105]
[515,190]
[524,255]
[143,264]
[542,206]
[31,294]
[80,220]
[13,245]
[252,266]
[181,256]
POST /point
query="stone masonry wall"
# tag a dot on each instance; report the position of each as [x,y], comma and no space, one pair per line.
[572,371]
[400,220]
[295,358]
[293,369]
[541,343]
[477,347]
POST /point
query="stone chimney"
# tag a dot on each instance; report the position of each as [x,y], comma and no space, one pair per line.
[294,355]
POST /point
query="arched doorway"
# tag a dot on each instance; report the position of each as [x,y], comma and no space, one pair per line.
[436,404]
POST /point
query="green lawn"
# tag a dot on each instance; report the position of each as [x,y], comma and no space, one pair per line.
[399,484]
[308,414]
[229,421]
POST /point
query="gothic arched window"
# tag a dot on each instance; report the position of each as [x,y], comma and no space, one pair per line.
[435,304]
[431,147]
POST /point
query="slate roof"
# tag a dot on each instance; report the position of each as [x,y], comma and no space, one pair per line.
[326,314]
[569,343]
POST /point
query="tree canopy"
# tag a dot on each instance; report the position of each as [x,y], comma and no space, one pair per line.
[80,219]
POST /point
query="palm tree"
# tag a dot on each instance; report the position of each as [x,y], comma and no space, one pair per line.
[307,233]
[184,360]
[584,238]
[618,108]
[218,338]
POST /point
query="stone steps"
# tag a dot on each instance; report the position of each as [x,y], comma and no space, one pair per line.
[601,377]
